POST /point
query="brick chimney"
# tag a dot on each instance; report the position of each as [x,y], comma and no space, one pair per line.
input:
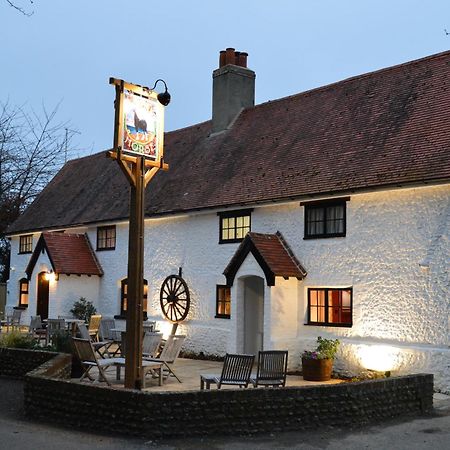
[233,88]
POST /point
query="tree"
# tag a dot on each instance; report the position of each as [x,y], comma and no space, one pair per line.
[21,9]
[33,147]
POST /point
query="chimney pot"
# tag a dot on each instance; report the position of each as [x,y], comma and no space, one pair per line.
[236,58]
[243,59]
[230,57]
[222,58]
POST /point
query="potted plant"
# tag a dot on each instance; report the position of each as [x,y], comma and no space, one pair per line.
[317,365]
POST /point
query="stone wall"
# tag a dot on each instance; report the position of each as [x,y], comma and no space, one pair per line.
[199,413]
[16,363]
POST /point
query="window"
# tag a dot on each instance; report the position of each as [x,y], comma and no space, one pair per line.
[124,297]
[26,243]
[23,292]
[234,225]
[332,307]
[223,301]
[325,219]
[106,238]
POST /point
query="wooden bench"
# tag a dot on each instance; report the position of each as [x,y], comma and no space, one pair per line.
[236,371]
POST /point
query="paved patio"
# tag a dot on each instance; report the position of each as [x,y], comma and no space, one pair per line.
[189,370]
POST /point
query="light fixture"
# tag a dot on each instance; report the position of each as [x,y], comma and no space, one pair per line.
[50,276]
[164,97]
[424,266]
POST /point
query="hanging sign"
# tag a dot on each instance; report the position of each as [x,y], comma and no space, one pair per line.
[139,129]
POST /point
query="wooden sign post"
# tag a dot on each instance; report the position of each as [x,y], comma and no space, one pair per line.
[138,149]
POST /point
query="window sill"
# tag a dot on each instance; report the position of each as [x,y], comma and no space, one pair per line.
[21,307]
[25,253]
[221,316]
[231,241]
[105,249]
[324,236]
[334,325]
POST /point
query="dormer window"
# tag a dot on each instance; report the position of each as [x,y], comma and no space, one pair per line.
[234,225]
[325,219]
[106,238]
[26,243]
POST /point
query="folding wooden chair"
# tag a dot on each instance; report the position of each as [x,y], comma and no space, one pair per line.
[170,353]
[94,325]
[272,368]
[37,331]
[101,347]
[86,354]
[236,371]
[150,344]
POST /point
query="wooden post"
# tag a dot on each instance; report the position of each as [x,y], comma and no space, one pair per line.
[139,171]
[133,356]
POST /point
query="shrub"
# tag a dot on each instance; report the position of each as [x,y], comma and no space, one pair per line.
[326,349]
[83,309]
[15,339]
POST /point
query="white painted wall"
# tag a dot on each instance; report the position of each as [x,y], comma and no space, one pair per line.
[388,234]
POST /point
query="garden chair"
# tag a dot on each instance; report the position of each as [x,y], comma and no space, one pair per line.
[13,320]
[151,344]
[149,326]
[54,326]
[37,331]
[101,347]
[86,354]
[94,325]
[236,371]
[272,368]
[170,353]
[106,325]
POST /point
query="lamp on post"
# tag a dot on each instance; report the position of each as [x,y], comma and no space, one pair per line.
[138,148]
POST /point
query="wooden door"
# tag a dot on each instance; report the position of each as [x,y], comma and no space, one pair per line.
[42,296]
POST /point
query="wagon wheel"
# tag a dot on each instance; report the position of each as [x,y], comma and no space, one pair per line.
[174,298]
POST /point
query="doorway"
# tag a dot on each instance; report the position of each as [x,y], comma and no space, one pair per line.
[42,296]
[253,315]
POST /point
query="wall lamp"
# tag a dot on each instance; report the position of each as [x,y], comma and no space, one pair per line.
[164,97]
[51,276]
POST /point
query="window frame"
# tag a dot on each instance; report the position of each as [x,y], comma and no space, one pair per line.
[105,239]
[325,204]
[220,315]
[23,244]
[234,214]
[22,291]
[327,323]
[123,296]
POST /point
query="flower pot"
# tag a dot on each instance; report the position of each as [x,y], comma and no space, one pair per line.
[317,369]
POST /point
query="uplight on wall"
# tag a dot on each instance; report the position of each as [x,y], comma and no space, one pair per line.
[51,276]
[380,358]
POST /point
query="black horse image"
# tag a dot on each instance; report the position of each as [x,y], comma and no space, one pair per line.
[139,124]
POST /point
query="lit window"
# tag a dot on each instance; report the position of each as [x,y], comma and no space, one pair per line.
[331,307]
[325,219]
[106,238]
[124,297]
[234,225]
[26,243]
[23,292]
[223,301]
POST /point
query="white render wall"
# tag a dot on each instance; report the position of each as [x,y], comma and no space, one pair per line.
[395,302]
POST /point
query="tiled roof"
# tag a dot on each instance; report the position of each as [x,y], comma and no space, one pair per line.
[68,253]
[271,252]
[379,130]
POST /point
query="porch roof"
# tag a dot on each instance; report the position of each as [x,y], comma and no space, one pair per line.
[68,254]
[271,252]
